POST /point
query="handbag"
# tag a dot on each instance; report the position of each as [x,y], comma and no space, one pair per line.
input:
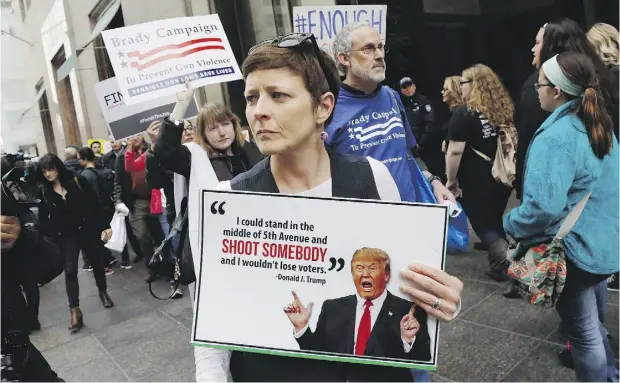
[49,262]
[458,229]
[119,233]
[173,257]
[504,165]
[540,274]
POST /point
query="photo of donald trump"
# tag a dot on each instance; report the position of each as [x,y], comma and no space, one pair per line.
[372,322]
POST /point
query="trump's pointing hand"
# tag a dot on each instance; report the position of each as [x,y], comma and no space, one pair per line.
[297,313]
[409,326]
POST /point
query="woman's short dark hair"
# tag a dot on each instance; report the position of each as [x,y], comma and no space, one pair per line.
[51,161]
[300,60]
[86,154]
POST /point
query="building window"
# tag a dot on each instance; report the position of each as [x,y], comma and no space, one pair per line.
[104,65]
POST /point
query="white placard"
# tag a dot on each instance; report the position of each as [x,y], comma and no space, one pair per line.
[258,248]
[326,21]
[153,59]
[128,120]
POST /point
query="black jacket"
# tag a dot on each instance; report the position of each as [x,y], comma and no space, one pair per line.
[174,156]
[421,116]
[528,118]
[91,218]
[109,160]
[159,178]
[335,330]
[74,166]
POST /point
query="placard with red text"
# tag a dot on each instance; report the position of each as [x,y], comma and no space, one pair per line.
[316,277]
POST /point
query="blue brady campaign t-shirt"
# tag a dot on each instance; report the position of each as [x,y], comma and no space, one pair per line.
[371,125]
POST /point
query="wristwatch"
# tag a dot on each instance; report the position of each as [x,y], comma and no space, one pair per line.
[433,178]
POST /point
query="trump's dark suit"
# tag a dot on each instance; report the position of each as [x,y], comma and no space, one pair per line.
[335,330]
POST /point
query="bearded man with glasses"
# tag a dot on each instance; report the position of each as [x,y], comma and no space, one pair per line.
[369,119]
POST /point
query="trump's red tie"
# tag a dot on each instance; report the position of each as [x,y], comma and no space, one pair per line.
[363,331]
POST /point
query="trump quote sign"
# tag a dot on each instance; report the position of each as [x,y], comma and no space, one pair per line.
[128,120]
[326,22]
[154,59]
[304,267]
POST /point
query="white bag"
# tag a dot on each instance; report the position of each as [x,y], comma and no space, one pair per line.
[119,233]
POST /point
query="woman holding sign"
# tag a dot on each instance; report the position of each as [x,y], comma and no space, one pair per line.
[291,89]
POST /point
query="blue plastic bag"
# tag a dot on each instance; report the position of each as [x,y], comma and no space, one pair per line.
[458,229]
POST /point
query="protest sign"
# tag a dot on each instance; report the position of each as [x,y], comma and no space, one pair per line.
[103,144]
[128,120]
[325,22]
[262,253]
[155,58]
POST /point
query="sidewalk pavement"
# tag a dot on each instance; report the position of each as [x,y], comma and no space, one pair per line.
[143,339]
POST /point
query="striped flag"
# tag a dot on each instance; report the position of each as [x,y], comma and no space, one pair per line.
[154,56]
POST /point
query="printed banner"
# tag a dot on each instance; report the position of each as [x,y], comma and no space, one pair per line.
[155,58]
[128,120]
[273,282]
[325,22]
[101,148]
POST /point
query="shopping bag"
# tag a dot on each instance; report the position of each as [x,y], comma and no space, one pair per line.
[458,228]
[119,233]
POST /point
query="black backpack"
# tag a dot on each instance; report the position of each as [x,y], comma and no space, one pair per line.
[105,184]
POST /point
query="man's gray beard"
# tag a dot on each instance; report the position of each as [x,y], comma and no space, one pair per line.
[367,75]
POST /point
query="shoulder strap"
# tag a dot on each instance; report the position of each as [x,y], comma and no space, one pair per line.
[572,217]
[352,177]
[77,182]
[484,156]
[402,116]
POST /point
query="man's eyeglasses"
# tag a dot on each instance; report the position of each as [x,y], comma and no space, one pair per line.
[538,85]
[369,50]
[296,40]
[463,82]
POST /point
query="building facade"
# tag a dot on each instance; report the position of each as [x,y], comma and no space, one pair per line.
[57,56]
[52,53]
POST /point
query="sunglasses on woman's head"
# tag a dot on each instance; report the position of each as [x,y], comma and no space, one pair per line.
[299,40]
[463,82]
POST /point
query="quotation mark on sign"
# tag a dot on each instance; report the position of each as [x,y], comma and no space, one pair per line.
[333,262]
[219,209]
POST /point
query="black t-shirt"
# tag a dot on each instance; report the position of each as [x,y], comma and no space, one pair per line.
[475,130]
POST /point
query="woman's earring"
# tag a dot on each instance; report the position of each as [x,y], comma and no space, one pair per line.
[324,136]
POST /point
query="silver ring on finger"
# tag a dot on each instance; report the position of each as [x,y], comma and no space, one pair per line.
[436,304]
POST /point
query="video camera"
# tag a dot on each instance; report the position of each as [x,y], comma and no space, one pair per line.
[14,198]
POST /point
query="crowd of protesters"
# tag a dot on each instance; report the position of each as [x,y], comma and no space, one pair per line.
[561,131]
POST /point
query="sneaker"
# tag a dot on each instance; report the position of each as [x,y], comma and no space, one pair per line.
[108,271]
[612,282]
[126,265]
[112,262]
[177,294]
[87,267]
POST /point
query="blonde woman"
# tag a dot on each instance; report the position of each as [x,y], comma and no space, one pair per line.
[473,129]
[605,37]
[452,96]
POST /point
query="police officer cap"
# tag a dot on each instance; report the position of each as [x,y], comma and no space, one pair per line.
[406,81]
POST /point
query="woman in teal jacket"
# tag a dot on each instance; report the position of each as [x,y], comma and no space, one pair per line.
[573,153]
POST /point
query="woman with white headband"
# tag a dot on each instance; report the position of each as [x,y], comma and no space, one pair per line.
[574,154]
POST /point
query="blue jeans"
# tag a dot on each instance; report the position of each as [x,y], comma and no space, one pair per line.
[421,375]
[581,309]
[163,222]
